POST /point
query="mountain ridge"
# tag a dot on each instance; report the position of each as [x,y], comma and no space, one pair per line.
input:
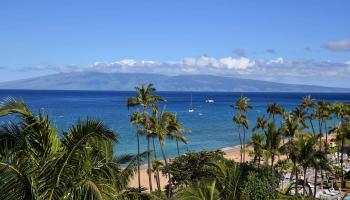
[127,81]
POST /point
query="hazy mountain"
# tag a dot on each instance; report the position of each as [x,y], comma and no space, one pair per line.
[121,81]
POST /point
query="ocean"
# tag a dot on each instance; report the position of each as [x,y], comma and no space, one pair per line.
[211,123]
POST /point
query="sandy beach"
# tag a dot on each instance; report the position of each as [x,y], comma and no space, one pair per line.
[230,153]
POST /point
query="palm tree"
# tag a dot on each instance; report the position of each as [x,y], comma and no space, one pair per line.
[157,166]
[258,146]
[163,125]
[273,140]
[291,126]
[242,106]
[145,98]
[262,124]
[309,105]
[343,132]
[241,120]
[200,191]
[37,163]
[227,176]
[177,131]
[322,115]
[306,145]
[292,151]
[342,112]
[273,109]
[137,120]
[319,161]
[299,115]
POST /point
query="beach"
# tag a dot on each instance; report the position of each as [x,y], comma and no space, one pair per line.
[232,153]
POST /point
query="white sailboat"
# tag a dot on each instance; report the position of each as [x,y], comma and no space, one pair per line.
[191,108]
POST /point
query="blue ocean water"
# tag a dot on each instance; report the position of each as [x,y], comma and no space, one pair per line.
[211,124]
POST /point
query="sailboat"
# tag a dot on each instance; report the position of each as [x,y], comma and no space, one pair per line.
[191,108]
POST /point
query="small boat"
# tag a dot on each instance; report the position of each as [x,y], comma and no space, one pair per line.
[209,101]
[191,108]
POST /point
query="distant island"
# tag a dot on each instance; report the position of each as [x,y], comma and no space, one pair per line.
[126,82]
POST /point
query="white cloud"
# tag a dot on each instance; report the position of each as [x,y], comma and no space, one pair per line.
[128,62]
[276,61]
[241,63]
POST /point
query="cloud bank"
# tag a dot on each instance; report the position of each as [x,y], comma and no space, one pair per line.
[278,69]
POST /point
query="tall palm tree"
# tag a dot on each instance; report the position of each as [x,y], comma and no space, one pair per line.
[322,115]
[273,140]
[137,120]
[342,112]
[319,161]
[291,126]
[292,151]
[306,145]
[177,131]
[343,132]
[262,124]
[241,121]
[299,115]
[157,166]
[164,124]
[37,163]
[146,98]
[258,146]
[274,109]
[309,105]
[242,106]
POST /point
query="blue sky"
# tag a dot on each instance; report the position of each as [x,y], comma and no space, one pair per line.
[286,41]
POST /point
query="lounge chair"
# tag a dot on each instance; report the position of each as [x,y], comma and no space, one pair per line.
[332,190]
[327,192]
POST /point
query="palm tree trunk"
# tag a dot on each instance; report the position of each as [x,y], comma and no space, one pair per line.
[321,171]
[177,147]
[138,162]
[312,126]
[149,164]
[342,161]
[325,129]
[315,182]
[296,177]
[166,166]
[304,191]
[155,157]
[148,151]
[243,144]
[338,150]
[240,140]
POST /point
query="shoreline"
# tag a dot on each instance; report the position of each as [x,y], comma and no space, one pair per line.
[231,152]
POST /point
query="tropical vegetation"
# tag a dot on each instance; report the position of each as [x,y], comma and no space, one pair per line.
[38,160]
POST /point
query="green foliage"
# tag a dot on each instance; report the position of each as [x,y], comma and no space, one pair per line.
[199,191]
[227,175]
[257,187]
[35,163]
[192,166]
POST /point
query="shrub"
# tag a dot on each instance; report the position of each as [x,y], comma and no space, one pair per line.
[257,187]
[191,167]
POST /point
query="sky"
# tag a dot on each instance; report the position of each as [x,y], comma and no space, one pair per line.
[290,41]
